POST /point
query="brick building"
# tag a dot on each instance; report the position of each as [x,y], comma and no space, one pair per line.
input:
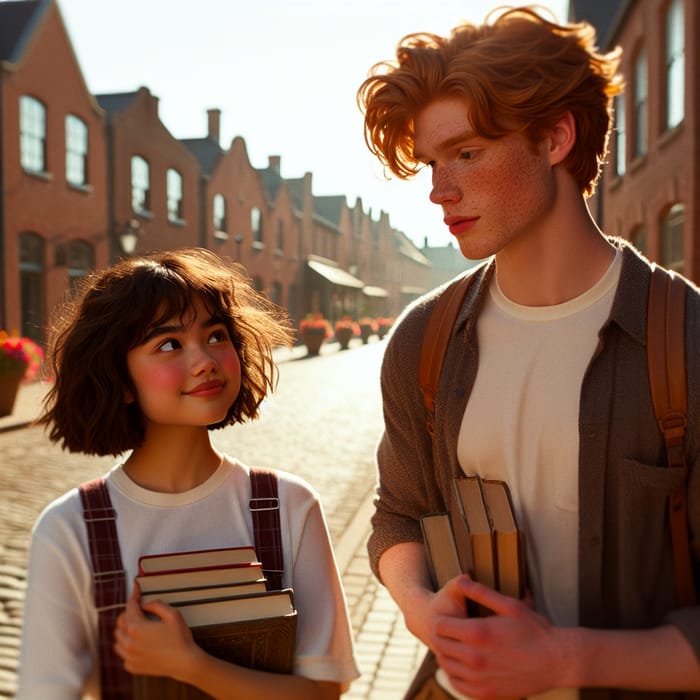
[87,179]
[650,189]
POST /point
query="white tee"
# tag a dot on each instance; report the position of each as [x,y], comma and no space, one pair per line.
[521,425]
[58,658]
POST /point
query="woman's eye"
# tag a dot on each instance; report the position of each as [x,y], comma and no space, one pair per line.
[218,336]
[169,345]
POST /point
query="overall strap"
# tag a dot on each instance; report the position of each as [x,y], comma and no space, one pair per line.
[265,509]
[109,583]
[667,379]
[438,331]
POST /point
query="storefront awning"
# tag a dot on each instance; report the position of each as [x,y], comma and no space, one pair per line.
[375,292]
[335,275]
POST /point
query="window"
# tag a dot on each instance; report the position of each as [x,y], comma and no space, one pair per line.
[672,238]
[641,107]
[81,260]
[174,185]
[140,184]
[276,293]
[219,216]
[31,278]
[675,64]
[256,224]
[280,235]
[620,135]
[32,134]
[76,150]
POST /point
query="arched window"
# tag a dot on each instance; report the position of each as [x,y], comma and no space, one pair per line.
[174,188]
[675,64]
[256,225]
[641,104]
[672,225]
[31,276]
[32,134]
[620,137]
[76,151]
[219,216]
[81,261]
[140,184]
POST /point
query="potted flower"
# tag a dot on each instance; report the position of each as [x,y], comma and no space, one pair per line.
[20,360]
[384,324]
[345,329]
[314,329]
[367,327]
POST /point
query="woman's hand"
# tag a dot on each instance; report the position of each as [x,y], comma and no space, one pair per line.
[155,647]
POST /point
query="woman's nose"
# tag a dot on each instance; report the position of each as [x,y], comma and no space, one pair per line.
[203,361]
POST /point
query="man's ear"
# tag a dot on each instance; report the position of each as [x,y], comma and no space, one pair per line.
[561,138]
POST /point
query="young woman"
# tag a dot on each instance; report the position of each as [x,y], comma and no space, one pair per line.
[155,353]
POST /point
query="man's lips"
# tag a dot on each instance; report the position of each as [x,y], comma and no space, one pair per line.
[460,224]
[206,389]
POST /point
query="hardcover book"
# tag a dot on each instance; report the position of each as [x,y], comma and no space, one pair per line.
[197,578]
[257,632]
[180,595]
[196,559]
[441,548]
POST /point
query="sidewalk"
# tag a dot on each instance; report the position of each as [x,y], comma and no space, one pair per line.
[387,653]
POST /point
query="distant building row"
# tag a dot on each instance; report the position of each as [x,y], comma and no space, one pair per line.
[86,179]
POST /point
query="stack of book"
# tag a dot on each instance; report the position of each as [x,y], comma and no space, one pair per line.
[222,596]
[481,538]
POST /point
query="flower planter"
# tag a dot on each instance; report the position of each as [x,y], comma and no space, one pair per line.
[366,331]
[313,339]
[9,385]
[343,336]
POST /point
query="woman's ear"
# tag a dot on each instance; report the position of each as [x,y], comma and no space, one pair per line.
[128,396]
[561,138]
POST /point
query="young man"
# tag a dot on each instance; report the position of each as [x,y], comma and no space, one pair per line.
[544,382]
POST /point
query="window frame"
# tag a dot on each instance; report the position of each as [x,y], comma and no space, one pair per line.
[32,134]
[77,150]
[140,185]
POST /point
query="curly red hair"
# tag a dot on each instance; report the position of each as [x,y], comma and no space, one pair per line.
[518,72]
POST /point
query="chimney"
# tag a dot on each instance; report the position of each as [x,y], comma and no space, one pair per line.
[274,163]
[214,117]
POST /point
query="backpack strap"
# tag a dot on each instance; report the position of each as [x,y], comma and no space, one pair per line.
[265,509]
[438,331]
[109,584]
[667,379]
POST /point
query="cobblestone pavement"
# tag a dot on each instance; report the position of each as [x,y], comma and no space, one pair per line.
[322,423]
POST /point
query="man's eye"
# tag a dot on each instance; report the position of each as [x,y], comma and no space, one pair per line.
[466,155]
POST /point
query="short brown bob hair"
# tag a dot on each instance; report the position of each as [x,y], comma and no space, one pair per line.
[518,73]
[86,407]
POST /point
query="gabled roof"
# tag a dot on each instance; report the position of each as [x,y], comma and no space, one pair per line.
[296,192]
[115,101]
[18,20]
[330,208]
[407,248]
[207,151]
[272,181]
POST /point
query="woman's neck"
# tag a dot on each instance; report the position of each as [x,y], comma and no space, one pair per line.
[173,461]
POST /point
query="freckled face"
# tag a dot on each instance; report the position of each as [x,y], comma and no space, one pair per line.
[186,373]
[492,192]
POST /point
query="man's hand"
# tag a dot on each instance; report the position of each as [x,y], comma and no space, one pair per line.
[515,652]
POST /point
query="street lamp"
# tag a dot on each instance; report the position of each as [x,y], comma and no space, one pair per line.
[239,240]
[129,237]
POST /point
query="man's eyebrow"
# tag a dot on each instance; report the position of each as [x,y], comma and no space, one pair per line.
[450,142]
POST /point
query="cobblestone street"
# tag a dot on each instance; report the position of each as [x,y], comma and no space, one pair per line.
[322,423]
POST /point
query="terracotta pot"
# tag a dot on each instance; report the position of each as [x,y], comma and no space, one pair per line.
[365,331]
[343,336]
[9,385]
[313,339]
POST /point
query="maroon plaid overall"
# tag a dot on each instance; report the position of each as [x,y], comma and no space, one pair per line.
[110,578]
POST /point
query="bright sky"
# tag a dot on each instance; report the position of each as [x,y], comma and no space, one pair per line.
[284,74]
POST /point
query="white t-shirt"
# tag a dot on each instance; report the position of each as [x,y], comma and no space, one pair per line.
[58,657]
[521,425]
